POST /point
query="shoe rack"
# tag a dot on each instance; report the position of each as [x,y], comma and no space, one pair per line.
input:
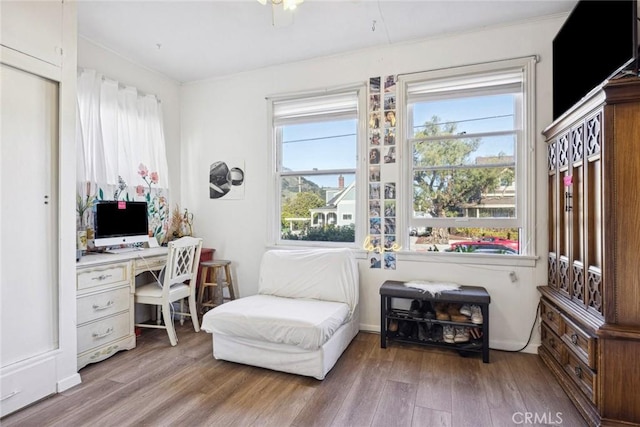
[436,320]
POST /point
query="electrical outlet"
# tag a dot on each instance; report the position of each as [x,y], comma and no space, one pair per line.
[513,276]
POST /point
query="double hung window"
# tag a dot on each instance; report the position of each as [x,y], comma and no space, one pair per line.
[316,151]
[468,138]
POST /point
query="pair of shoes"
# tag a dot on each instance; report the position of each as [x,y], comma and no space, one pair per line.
[436,333]
[448,334]
[476,315]
[424,331]
[427,310]
[441,311]
[455,314]
[415,309]
[461,334]
[476,333]
[465,310]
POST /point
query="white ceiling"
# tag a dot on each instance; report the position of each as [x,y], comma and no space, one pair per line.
[194,40]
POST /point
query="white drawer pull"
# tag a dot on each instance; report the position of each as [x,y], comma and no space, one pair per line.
[13,393]
[101,277]
[97,307]
[104,334]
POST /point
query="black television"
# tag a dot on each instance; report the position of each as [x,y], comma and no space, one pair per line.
[120,223]
[599,40]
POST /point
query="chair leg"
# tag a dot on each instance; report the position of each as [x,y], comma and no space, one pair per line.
[193,309]
[182,311]
[227,272]
[168,323]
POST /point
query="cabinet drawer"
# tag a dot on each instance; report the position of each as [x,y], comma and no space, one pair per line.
[103,304]
[551,316]
[581,343]
[580,373]
[552,343]
[151,263]
[26,384]
[101,276]
[103,331]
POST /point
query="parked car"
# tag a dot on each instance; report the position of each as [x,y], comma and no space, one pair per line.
[486,244]
[420,231]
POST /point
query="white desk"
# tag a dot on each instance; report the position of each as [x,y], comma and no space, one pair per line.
[105,286]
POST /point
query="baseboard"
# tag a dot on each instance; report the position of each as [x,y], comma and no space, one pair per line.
[513,346]
[370,328]
[67,383]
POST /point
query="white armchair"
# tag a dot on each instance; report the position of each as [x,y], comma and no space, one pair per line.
[302,319]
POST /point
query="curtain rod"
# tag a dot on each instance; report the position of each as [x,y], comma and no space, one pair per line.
[122,85]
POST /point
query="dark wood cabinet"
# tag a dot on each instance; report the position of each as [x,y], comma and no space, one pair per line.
[590,308]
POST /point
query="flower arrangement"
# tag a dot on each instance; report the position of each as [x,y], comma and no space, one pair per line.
[156,203]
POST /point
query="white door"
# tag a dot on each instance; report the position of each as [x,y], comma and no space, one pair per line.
[28,234]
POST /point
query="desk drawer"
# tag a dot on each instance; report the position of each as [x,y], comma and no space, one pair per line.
[101,276]
[99,333]
[103,304]
[150,264]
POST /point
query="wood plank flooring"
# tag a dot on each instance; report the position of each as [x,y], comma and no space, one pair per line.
[403,385]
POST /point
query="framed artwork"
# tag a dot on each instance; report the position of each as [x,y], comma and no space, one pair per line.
[226,179]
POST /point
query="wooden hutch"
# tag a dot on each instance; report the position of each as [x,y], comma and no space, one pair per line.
[590,309]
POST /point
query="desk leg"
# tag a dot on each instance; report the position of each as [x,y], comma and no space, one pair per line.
[383,321]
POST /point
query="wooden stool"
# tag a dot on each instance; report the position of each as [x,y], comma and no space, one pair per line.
[210,278]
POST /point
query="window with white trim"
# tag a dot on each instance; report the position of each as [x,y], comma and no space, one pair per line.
[316,147]
[468,180]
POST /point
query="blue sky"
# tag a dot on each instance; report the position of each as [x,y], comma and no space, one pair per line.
[310,147]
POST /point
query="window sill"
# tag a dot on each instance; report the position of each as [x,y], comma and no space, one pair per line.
[462,258]
[436,257]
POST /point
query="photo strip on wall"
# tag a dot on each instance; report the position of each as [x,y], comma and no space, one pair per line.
[381,242]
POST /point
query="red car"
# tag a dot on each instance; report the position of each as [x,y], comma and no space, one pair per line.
[486,244]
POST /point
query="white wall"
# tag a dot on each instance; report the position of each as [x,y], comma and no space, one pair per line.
[114,66]
[227,117]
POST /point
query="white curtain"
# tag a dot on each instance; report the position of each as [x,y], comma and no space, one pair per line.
[118,130]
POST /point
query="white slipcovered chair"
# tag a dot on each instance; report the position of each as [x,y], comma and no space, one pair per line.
[177,282]
[302,319]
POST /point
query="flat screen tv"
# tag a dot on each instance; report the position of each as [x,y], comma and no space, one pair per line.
[120,223]
[598,41]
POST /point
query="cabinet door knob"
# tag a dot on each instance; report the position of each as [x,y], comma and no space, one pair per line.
[549,315]
[574,338]
[578,371]
[552,343]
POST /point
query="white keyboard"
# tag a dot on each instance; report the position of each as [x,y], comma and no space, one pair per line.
[123,250]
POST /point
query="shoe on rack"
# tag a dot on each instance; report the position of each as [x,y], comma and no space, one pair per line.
[436,333]
[448,333]
[427,310]
[455,315]
[461,334]
[414,310]
[393,325]
[424,331]
[441,311]
[404,328]
[476,333]
[465,310]
[476,315]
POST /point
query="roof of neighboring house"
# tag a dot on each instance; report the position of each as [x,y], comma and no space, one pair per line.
[331,204]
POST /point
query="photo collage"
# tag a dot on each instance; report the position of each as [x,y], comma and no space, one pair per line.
[382,151]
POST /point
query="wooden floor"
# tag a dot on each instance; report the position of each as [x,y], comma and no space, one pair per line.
[404,385]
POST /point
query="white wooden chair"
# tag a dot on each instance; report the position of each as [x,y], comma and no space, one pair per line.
[179,282]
